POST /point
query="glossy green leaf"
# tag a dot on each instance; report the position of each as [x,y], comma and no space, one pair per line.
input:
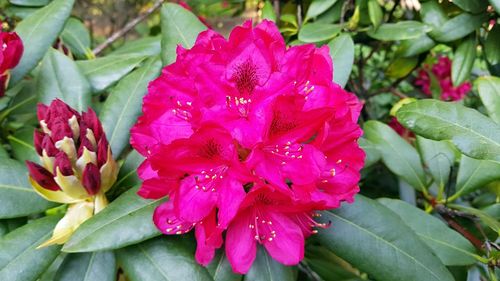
[318,32]
[433,14]
[106,71]
[474,134]
[450,247]
[398,155]
[88,267]
[120,111]
[318,7]
[457,27]
[127,177]
[265,268]
[375,12]
[19,258]
[30,3]
[76,37]
[125,221]
[268,11]
[489,92]
[220,268]
[473,6]
[463,61]
[163,258]
[178,27]
[401,67]
[374,239]
[488,220]
[8,225]
[372,154]
[17,197]
[329,266]
[50,273]
[148,46]
[474,174]
[402,30]
[21,143]
[439,157]
[491,45]
[38,31]
[413,47]
[342,53]
[60,78]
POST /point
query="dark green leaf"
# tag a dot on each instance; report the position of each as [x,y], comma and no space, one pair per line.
[488,220]
[127,177]
[51,271]
[463,61]
[126,221]
[88,267]
[161,259]
[76,37]
[473,6]
[318,7]
[413,47]
[19,258]
[17,197]
[120,111]
[372,154]
[148,46]
[439,157]
[489,92]
[342,53]
[265,268]
[474,134]
[30,3]
[402,30]
[474,174]
[457,27]
[221,270]
[375,12]
[3,152]
[60,78]
[491,46]
[318,32]
[451,247]
[374,239]
[401,67]
[21,143]
[38,31]
[329,266]
[432,14]
[398,155]
[178,26]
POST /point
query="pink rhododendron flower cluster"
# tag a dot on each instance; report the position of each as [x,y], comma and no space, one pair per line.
[441,71]
[11,50]
[251,138]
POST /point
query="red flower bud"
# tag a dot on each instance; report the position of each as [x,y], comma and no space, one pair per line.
[102,151]
[11,50]
[63,163]
[43,177]
[91,179]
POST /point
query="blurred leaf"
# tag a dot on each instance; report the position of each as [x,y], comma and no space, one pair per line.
[268,11]
[120,111]
[60,78]
[402,30]
[21,143]
[375,12]
[161,259]
[439,157]
[19,258]
[491,46]
[398,155]
[38,31]
[88,267]
[474,6]
[332,15]
[372,154]
[374,239]
[105,71]
[17,197]
[342,53]
[474,134]
[450,247]
[401,67]
[496,5]
[265,268]
[220,268]
[178,27]
[413,47]
[147,46]
[125,221]
[30,3]
[77,38]
[318,7]
[488,220]
[458,27]
[463,61]
[474,174]
[3,152]
[432,14]
[489,92]
[318,32]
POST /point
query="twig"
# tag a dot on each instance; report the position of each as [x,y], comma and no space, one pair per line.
[277,11]
[299,12]
[447,215]
[127,28]
[343,11]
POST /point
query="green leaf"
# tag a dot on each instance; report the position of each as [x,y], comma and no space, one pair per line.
[463,61]
[38,31]
[475,6]
[265,268]
[474,134]
[489,92]
[488,220]
[496,5]
[268,11]
[21,143]
[147,46]
[50,273]
[30,3]
[318,7]
[402,30]
[126,221]
[458,27]
[491,46]
[77,38]
[439,157]
[371,151]
[374,239]
[127,177]
[17,197]
[220,269]
[375,12]
[474,174]
[105,71]
[413,47]
[120,111]
[19,258]
[88,267]
[318,32]
[342,53]
[178,27]
[450,247]
[432,14]
[401,67]
[60,78]
[161,259]
[398,155]
[9,225]
[329,266]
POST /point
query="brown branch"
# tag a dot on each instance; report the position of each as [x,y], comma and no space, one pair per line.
[277,10]
[115,36]
[447,215]
[299,12]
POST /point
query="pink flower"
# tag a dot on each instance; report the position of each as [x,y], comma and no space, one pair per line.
[245,126]
[11,50]
[441,71]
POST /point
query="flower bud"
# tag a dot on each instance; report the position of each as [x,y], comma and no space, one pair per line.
[11,50]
